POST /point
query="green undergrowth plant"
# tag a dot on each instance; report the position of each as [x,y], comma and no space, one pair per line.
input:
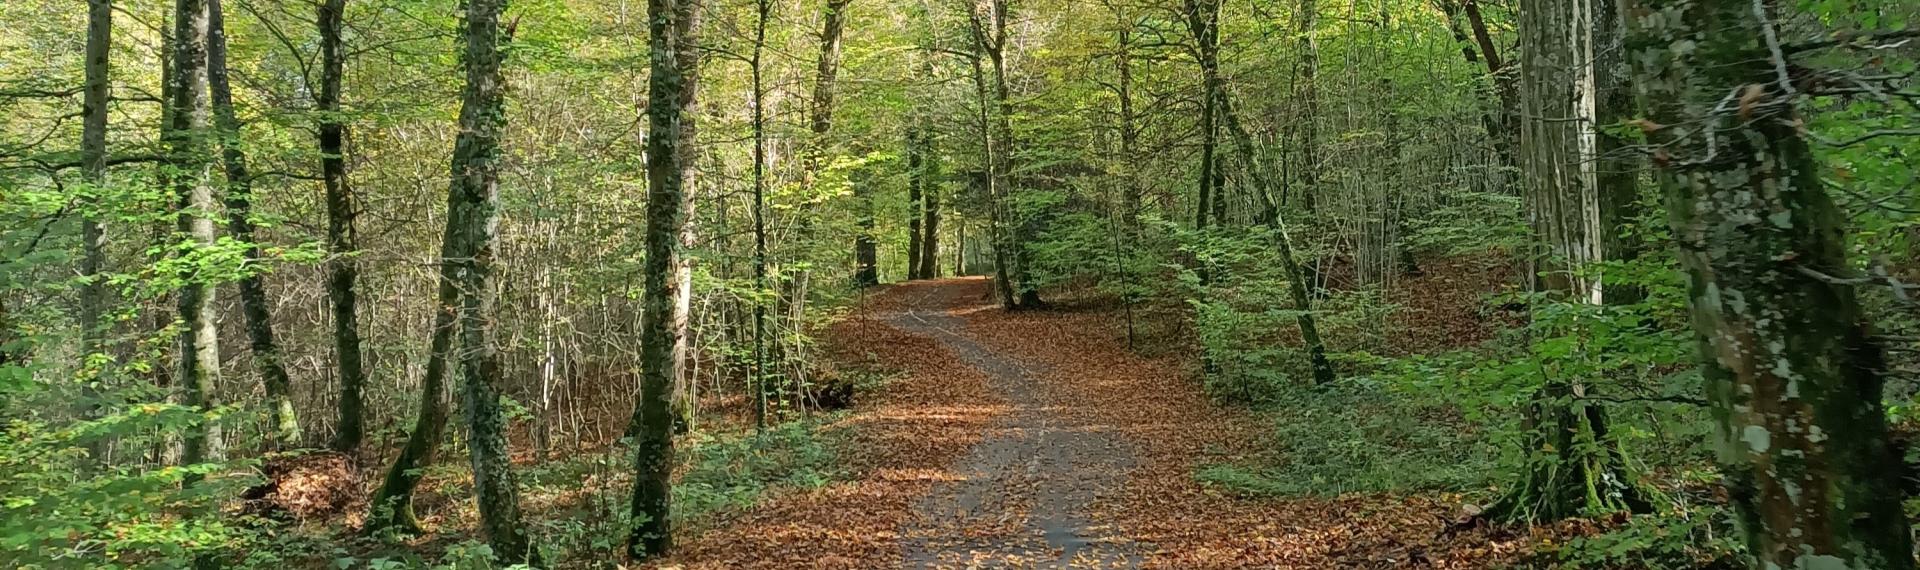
[578,505]
[1700,537]
[1356,436]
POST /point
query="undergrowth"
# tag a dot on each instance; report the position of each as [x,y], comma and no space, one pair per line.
[1355,437]
[577,506]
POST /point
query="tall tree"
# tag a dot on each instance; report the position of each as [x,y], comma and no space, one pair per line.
[1792,367]
[239,202]
[866,249]
[1575,464]
[1307,22]
[925,177]
[392,504]
[929,173]
[1003,284]
[671,87]
[343,206]
[472,221]
[813,160]
[187,137]
[93,162]
[93,158]
[915,201]
[1203,22]
[763,10]
[989,21]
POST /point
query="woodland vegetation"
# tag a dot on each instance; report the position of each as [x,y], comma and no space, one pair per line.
[579,283]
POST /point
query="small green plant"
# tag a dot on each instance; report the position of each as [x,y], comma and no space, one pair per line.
[1703,539]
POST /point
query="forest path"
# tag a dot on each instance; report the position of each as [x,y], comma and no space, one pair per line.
[1021,497]
[1039,439]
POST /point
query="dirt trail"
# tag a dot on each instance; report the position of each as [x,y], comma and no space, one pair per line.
[1039,440]
[1023,493]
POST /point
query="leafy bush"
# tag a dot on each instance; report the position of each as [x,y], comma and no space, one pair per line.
[61,508]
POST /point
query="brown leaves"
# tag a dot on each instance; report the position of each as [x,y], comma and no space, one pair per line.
[909,436]
[903,438]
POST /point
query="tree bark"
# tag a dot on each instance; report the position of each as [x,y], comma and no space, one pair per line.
[392,504]
[915,204]
[670,95]
[187,136]
[930,201]
[93,236]
[1022,229]
[473,220]
[93,159]
[285,428]
[1792,367]
[1573,465]
[343,206]
[1003,284]
[1309,96]
[1203,21]
[762,10]
[688,53]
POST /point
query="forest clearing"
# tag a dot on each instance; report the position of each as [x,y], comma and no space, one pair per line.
[862,284]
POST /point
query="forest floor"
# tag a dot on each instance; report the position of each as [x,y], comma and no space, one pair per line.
[1039,440]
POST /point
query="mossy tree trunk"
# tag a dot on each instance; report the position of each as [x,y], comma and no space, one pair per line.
[473,220]
[670,93]
[1793,371]
[187,139]
[343,207]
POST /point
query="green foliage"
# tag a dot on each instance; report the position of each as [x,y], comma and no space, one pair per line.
[1359,437]
[735,471]
[1471,222]
[1698,537]
[62,508]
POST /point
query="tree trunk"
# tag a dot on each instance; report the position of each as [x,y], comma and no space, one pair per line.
[1792,367]
[199,366]
[915,203]
[1309,98]
[1573,465]
[1022,228]
[472,218]
[392,504]
[866,254]
[1203,21]
[688,54]
[996,211]
[93,160]
[762,10]
[930,197]
[1323,372]
[343,206]
[670,95]
[1494,117]
[93,236]
[1130,199]
[254,305]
